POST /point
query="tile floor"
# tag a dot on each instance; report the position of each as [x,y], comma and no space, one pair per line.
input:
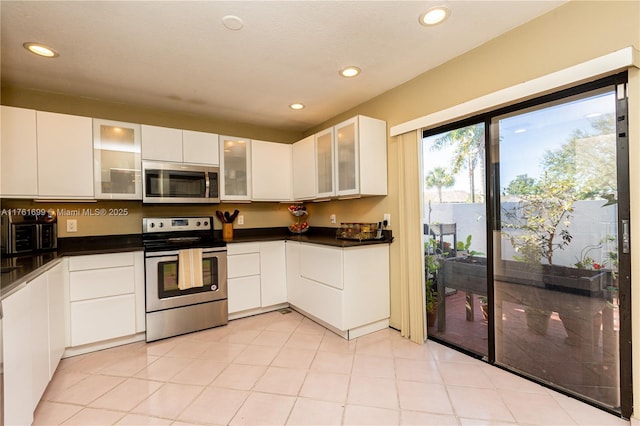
[279,369]
[553,356]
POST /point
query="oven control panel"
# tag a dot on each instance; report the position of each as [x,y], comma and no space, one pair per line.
[174,224]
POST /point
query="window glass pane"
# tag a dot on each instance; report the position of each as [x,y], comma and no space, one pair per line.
[555,255]
[455,237]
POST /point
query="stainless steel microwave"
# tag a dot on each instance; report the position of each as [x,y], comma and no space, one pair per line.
[179,183]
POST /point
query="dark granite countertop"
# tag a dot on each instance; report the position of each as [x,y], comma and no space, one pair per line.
[76,246]
[16,270]
[324,236]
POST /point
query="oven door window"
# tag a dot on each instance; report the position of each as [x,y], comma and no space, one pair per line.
[173,183]
[168,278]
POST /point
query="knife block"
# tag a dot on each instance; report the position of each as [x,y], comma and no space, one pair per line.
[227,231]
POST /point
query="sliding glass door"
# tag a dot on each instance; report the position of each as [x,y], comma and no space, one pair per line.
[555,257]
[527,221]
[455,237]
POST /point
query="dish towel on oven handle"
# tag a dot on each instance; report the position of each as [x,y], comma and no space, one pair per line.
[190,268]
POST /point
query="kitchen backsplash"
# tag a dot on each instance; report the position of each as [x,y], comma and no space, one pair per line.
[125,217]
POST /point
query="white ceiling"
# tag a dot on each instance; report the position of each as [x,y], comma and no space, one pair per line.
[177,55]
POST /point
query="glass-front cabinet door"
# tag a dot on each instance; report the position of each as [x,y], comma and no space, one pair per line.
[347,174]
[235,168]
[117,161]
[324,164]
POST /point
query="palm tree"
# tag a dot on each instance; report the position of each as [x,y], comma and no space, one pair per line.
[439,178]
[469,151]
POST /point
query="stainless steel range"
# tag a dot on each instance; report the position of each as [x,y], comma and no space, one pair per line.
[185,276]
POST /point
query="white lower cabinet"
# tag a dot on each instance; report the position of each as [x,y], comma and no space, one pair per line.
[243,272]
[56,280]
[257,280]
[105,297]
[292,251]
[322,302]
[244,293]
[101,319]
[346,289]
[322,264]
[17,357]
[39,337]
[33,342]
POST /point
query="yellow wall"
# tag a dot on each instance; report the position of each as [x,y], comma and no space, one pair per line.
[54,102]
[574,33]
[256,215]
[571,34]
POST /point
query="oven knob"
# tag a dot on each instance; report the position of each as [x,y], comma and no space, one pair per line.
[214,287]
[198,223]
[152,225]
[206,223]
[161,224]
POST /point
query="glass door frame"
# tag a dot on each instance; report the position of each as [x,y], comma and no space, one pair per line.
[492,191]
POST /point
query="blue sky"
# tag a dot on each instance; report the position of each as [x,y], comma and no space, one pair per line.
[526,136]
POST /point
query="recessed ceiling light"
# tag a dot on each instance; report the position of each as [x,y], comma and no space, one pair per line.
[232,23]
[350,71]
[434,16]
[296,106]
[41,50]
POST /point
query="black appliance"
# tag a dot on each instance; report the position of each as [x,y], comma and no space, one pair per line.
[28,232]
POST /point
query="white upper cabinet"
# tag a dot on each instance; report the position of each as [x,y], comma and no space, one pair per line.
[304,169]
[271,171]
[18,153]
[200,148]
[235,169]
[65,155]
[325,163]
[161,143]
[348,160]
[181,146]
[116,156]
[361,157]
